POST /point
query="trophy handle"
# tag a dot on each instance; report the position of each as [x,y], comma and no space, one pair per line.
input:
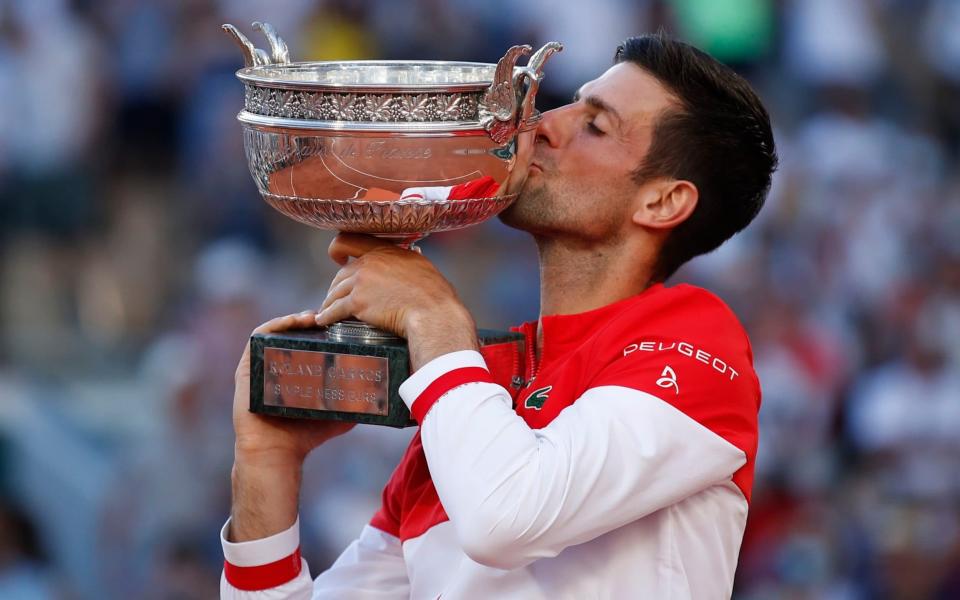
[255,57]
[508,103]
[499,104]
[252,56]
[533,73]
[278,48]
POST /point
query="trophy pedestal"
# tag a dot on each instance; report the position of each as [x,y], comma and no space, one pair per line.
[315,374]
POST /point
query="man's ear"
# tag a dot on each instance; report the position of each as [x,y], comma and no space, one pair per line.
[666,203]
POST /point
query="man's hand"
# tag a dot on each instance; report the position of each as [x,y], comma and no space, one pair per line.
[269,452]
[398,290]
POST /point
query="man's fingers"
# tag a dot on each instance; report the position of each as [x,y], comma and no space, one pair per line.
[294,321]
[343,273]
[352,245]
[337,311]
[341,289]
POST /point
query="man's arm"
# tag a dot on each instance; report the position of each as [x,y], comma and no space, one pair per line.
[516,494]
[269,453]
[261,540]
[265,490]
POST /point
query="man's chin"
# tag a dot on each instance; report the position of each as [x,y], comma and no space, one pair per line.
[521,214]
[508,217]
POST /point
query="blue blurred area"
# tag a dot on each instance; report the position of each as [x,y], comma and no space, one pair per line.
[136,256]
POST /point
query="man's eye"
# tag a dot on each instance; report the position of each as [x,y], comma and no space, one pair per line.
[593,129]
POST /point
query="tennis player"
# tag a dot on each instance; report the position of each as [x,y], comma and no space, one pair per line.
[622,467]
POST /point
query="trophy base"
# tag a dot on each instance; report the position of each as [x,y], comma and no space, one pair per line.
[325,374]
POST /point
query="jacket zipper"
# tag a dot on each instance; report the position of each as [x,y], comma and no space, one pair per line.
[532,367]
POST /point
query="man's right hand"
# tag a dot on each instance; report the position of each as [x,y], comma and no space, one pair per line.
[269,452]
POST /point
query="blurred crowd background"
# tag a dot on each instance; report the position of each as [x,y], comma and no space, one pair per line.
[136,256]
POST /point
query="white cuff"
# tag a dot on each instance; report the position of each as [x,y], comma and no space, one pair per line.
[411,389]
[263,551]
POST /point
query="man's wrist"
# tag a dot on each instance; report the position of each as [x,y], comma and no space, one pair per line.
[253,454]
[437,332]
[265,499]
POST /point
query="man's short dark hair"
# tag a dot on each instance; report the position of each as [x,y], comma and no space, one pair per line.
[719,138]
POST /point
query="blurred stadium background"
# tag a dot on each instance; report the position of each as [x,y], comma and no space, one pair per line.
[136,255]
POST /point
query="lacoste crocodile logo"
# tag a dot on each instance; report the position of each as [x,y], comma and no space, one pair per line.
[538,398]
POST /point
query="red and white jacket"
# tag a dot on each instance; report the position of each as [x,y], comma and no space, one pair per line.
[623,470]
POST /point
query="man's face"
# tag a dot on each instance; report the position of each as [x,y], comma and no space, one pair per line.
[580,181]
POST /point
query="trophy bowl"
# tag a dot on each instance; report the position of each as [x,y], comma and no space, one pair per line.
[395,149]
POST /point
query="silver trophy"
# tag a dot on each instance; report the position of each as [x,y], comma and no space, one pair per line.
[396,149]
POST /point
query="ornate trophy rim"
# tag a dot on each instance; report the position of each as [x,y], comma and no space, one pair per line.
[396,128]
[498,97]
[389,218]
[277,76]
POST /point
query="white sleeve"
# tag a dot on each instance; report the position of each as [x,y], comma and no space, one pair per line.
[371,568]
[516,494]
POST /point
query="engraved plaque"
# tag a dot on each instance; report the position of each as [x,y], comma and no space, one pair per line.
[325,381]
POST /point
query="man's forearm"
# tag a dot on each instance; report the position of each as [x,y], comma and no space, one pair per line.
[266,493]
[434,334]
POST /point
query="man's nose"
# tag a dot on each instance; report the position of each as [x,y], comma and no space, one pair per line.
[554,126]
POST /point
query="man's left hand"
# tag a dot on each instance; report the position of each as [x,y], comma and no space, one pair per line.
[400,291]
